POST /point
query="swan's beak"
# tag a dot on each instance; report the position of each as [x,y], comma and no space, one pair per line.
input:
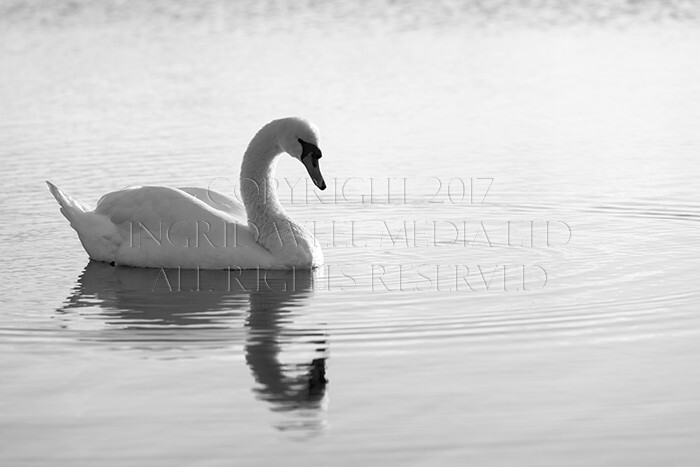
[310,155]
[314,169]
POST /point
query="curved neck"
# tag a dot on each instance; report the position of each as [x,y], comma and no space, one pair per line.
[258,184]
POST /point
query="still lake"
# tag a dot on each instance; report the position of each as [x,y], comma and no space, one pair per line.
[511,234]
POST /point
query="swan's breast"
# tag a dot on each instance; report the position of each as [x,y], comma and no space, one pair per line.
[291,244]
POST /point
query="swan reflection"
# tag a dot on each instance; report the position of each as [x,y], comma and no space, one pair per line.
[181,309]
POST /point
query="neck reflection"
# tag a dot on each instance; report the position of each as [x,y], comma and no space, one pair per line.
[297,382]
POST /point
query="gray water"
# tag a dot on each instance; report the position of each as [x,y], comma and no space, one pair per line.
[510,231]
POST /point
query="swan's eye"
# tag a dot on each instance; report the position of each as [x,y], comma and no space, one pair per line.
[308,149]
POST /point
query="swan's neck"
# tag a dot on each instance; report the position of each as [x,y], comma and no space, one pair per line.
[259,190]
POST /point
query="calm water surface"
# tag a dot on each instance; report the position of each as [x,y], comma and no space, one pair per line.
[511,235]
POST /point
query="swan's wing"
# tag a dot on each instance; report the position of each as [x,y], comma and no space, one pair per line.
[154,203]
[167,227]
[218,201]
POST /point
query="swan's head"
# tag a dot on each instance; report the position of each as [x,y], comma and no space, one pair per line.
[299,138]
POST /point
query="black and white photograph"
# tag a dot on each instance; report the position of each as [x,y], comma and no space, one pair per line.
[357,232]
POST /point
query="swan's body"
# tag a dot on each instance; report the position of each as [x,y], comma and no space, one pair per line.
[163,227]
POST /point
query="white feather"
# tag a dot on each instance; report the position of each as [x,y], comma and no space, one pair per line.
[157,226]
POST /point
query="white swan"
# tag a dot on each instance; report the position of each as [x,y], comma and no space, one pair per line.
[163,227]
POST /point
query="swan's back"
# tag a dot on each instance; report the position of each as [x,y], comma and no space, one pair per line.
[172,228]
[154,226]
[218,201]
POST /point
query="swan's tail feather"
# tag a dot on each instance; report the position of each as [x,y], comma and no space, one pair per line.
[70,207]
[97,233]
